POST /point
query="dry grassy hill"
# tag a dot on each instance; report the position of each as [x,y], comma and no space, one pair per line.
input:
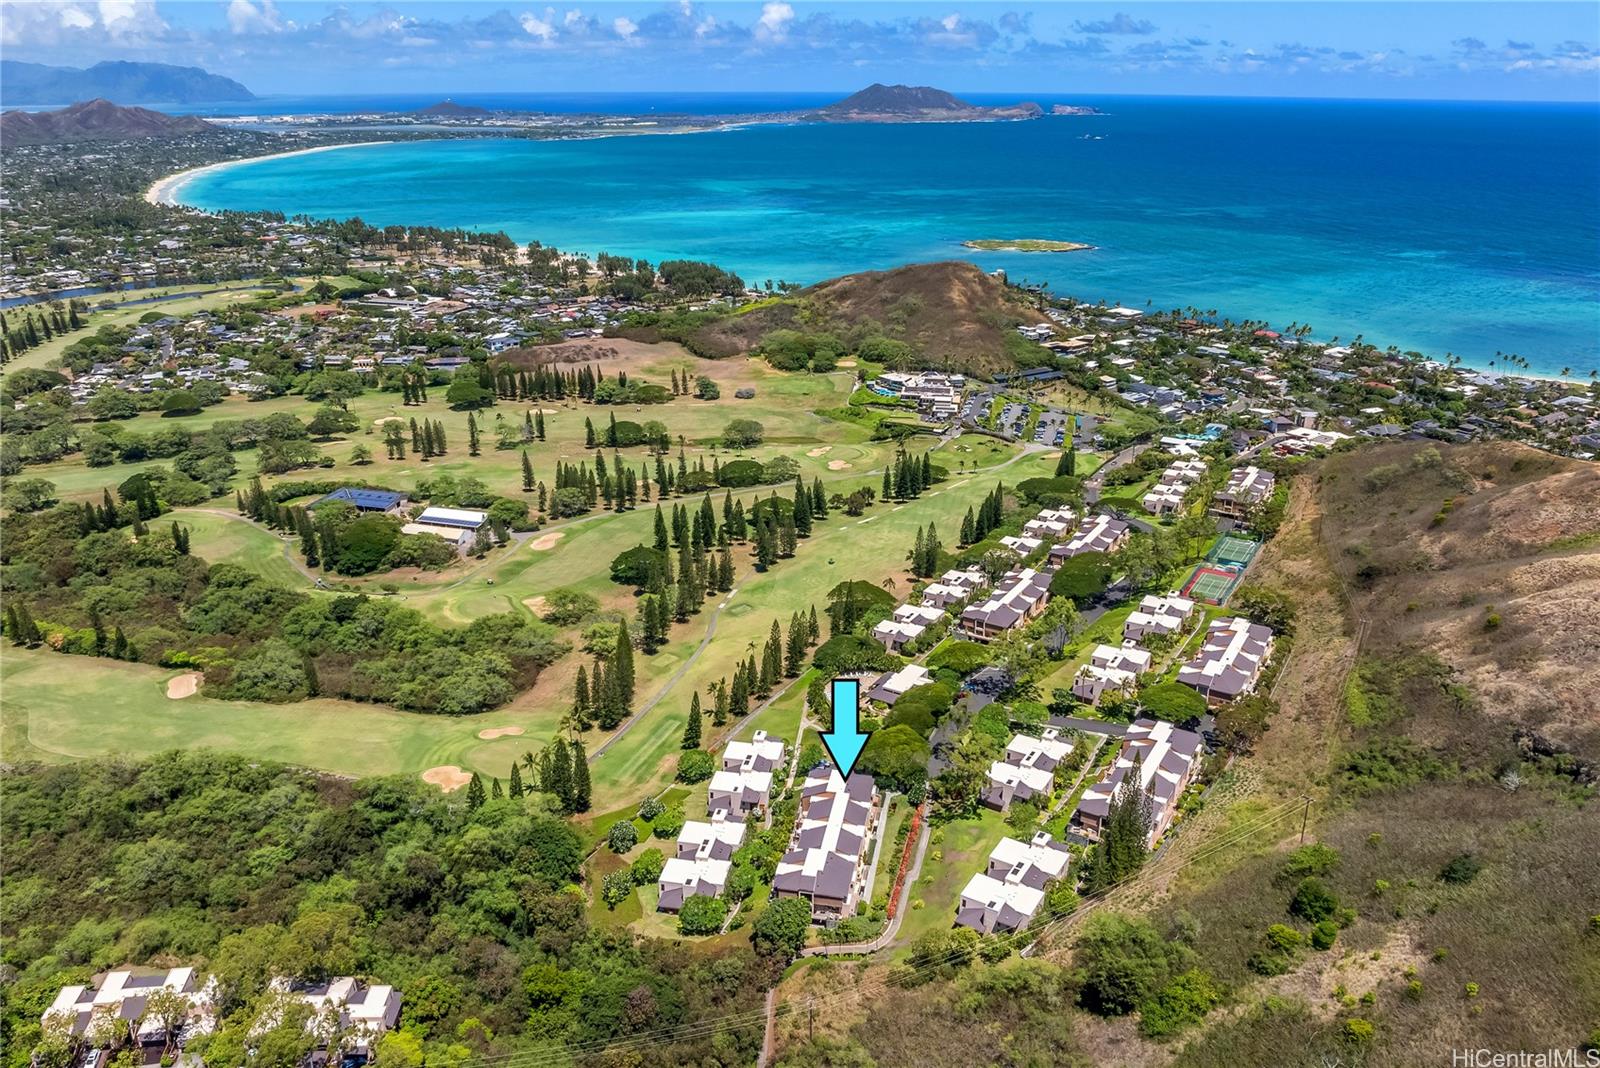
[1487,556]
[953,314]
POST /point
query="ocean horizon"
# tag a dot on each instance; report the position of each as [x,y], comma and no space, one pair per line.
[1441,228]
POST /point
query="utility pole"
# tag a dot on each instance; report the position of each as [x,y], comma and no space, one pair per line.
[1304,815]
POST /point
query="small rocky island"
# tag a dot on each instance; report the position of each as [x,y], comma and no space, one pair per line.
[1026,244]
[916,103]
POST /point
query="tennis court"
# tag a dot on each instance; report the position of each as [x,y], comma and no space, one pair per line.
[1211,584]
[1232,551]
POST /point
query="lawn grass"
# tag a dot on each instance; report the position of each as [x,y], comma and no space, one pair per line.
[122,709]
[963,852]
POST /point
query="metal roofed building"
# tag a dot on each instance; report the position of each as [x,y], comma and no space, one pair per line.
[364,500]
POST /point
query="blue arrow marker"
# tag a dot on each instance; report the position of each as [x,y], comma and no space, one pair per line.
[845,742]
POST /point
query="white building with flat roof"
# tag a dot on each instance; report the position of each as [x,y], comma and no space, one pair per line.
[1158,616]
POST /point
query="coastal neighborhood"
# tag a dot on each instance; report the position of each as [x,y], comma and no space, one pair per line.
[486,584]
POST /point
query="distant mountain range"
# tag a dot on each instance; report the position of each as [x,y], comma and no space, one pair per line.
[121,82]
[915,103]
[94,120]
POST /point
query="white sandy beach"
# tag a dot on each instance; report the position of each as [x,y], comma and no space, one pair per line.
[165,190]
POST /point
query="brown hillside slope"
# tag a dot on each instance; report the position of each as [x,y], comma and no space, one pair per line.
[951,313]
[1501,582]
[94,120]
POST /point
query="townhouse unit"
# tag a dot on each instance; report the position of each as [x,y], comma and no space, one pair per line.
[1110,668]
[1009,892]
[701,863]
[1096,534]
[1019,597]
[1028,769]
[1166,496]
[953,587]
[1022,544]
[740,787]
[124,996]
[760,753]
[1157,616]
[1229,663]
[1051,524]
[1156,757]
[1246,488]
[893,685]
[364,1011]
[827,862]
[908,623]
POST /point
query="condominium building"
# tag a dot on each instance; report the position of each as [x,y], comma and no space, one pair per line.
[908,623]
[1229,663]
[365,1011]
[1009,892]
[1158,758]
[1110,668]
[1019,597]
[1096,534]
[1246,488]
[1028,769]
[1157,616]
[123,995]
[827,862]
[953,587]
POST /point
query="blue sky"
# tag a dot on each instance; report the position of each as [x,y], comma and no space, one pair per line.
[1444,50]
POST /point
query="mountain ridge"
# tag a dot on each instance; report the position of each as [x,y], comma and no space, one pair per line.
[119,81]
[94,120]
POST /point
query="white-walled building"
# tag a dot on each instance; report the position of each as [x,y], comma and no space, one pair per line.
[1010,890]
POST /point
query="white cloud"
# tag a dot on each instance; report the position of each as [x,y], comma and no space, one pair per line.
[75,18]
[246,17]
[775,18]
[533,26]
[625,27]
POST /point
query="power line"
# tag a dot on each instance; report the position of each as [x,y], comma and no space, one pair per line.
[741,1020]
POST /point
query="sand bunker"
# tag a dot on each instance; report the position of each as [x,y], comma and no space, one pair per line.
[547,541]
[838,465]
[389,419]
[446,777]
[492,733]
[845,363]
[820,450]
[184,685]
[536,605]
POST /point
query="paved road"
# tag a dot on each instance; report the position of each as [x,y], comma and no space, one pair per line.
[1089,726]
[1092,485]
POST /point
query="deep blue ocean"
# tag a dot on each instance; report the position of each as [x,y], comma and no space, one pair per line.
[1464,228]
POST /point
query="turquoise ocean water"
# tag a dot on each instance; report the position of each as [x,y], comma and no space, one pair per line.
[1446,228]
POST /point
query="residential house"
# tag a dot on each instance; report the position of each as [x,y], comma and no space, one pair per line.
[123,995]
[1028,770]
[1246,488]
[1110,668]
[760,753]
[1157,615]
[893,685]
[738,792]
[365,1012]
[702,861]
[827,862]
[952,587]
[906,625]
